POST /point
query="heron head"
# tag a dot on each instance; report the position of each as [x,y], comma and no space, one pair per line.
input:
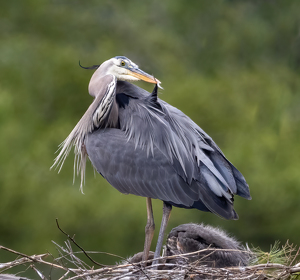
[125,70]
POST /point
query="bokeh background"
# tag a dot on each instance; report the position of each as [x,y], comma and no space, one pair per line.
[232,66]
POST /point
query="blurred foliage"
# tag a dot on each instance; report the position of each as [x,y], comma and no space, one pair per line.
[232,66]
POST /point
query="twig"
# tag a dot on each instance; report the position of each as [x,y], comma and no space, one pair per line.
[72,239]
[296,255]
[64,276]
[26,259]
[32,258]
[93,261]
[40,274]
[23,260]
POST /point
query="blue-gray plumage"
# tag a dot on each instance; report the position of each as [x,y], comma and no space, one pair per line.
[143,146]
[158,152]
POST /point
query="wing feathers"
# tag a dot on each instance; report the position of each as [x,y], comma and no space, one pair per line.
[162,182]
[159,152]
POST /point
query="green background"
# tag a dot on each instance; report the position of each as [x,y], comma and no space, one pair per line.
[232,66]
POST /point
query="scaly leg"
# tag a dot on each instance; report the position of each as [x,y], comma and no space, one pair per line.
[164,221]
[149,229]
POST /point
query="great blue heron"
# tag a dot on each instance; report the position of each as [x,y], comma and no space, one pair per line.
[143,146]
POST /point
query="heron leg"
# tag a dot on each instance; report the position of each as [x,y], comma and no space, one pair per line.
[167,208]
[149,229]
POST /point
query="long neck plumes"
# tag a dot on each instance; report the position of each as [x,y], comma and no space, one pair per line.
[103,112]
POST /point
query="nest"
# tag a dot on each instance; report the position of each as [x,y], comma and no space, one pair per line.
[69,266]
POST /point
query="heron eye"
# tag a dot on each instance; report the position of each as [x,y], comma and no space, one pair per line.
[123,63]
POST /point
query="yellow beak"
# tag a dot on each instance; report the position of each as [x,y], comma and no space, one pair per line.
[141,75]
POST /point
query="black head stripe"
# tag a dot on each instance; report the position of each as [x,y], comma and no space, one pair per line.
[90,67]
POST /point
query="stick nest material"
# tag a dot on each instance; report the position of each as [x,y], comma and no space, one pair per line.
[69,266]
